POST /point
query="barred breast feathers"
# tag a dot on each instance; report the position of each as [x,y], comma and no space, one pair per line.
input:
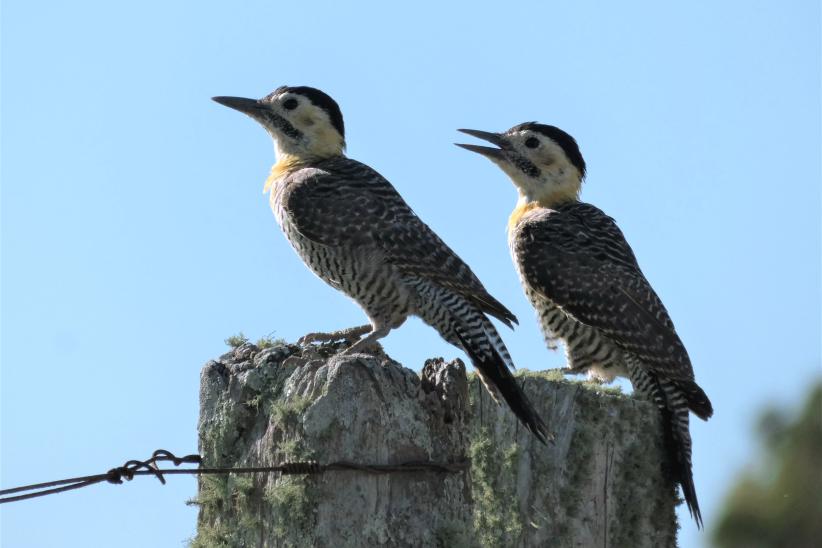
[342,202]
[576,257]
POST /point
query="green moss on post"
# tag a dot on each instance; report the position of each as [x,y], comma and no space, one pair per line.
[289,404]
[601,482]
[496,513]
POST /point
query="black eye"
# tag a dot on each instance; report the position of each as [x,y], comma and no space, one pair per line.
[290,104]
[532,142]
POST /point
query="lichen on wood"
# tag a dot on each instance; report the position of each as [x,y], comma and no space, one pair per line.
[602,482]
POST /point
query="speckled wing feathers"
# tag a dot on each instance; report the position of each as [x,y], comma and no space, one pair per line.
[346,202]
[346,209]
[577,258]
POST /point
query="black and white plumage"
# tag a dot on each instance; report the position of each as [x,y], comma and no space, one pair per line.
[352,229]
[583,279]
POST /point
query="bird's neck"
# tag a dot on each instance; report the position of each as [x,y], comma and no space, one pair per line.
[321,144]
[520,210]
[288,162]
[527,203]
[558,184]
[555,197]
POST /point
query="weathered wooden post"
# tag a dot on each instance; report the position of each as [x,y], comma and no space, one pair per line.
[600,483]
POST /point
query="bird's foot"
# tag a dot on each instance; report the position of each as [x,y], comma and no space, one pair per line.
[361,346]
[372,340]
[350,336]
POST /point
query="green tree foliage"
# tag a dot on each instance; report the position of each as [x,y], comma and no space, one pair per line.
[780,504]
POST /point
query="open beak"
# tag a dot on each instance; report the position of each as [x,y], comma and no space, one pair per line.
[489,152]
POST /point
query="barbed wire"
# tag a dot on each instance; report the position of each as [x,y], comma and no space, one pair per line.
[149,467]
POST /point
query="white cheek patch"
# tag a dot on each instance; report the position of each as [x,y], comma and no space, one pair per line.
[307,120]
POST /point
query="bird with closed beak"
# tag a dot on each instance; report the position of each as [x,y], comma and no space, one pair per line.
[352,229]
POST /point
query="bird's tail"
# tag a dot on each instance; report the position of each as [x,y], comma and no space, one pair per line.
[674,398]
[499,381]
[698,400]
[675,423]
[492,365]
[460,323]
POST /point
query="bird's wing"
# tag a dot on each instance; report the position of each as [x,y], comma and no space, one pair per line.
[578,258]
[346,203]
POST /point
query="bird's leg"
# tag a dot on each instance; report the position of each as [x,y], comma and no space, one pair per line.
[350,335]
[372,338]
[584,370]
[571,370]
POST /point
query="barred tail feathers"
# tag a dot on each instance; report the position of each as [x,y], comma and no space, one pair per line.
[698,401]
[673,401]
[675,415]
[497,378]
[463,325]
[496,342]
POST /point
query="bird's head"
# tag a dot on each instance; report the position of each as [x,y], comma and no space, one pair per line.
[305,123]
[543,161]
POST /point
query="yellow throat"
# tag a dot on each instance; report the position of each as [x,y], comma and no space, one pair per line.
[548,200]
[284,165]
[521,209]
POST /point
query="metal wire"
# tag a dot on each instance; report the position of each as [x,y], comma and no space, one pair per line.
[149,467]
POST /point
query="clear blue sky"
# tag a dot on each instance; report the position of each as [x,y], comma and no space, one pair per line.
[135,236]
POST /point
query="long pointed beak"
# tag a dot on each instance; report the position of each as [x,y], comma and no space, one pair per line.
[489,152]
[251,107]
[493,138]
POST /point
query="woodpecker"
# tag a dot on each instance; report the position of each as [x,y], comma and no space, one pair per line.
[354,231]
[583,279]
